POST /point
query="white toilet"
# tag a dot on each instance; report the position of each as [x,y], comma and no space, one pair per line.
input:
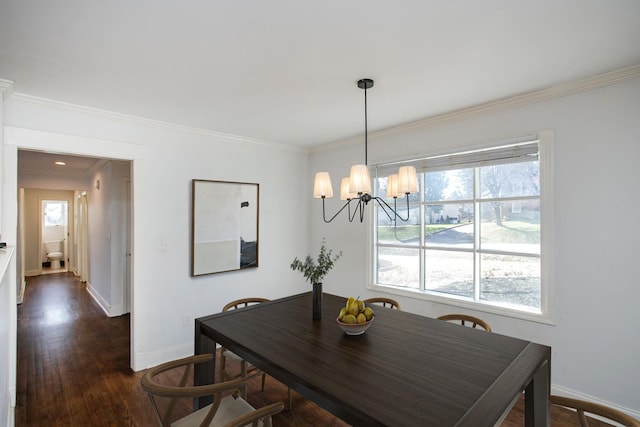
[54,250]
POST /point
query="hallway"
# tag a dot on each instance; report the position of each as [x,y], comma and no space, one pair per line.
[73,360]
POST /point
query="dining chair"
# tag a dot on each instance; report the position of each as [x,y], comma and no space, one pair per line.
[582,406]
[226,373]
[228,408]
[384,301]
[463,318]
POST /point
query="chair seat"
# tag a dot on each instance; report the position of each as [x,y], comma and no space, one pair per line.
[229,409]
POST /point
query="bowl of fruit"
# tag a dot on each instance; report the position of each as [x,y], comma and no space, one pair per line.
[355,318]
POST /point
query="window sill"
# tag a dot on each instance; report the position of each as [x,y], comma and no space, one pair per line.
[466,304]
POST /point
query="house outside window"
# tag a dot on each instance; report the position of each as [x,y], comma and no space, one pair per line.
[474,233]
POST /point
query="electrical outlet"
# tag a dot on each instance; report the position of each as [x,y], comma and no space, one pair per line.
[165,246]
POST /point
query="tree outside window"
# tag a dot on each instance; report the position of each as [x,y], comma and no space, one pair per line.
[474,231]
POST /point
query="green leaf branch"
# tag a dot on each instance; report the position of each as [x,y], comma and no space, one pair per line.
[315,270]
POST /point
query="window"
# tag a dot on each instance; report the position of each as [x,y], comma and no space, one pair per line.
[474,233]
[55,213]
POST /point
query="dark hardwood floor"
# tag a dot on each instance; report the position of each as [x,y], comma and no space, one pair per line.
[73,360]
[73,367]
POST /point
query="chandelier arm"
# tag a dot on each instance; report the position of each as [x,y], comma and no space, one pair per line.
[359,209]
[394,205]
[382,204]
[388,210]
[394,209]
[324,216]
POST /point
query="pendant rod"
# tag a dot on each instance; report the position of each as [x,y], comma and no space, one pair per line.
[365,84]
[366,133]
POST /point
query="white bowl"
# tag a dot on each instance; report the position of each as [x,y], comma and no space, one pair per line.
[355,328]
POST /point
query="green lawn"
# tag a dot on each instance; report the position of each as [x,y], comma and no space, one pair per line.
[509,231]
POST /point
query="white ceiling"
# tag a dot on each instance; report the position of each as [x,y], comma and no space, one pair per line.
[285,70]
[38,163]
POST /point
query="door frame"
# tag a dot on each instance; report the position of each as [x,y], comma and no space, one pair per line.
[29,139]
[68,233]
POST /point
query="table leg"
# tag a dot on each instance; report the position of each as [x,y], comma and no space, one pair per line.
[204,373]
[536,398]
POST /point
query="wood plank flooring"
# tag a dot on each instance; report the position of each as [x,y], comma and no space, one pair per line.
[73,367]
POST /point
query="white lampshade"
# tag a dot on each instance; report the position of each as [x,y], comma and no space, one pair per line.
[407,180]
[359,179]
[344,190]
[392,186]
[322,185]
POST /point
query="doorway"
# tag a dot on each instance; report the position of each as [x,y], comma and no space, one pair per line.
[54,233]
[65,227]
[21,140]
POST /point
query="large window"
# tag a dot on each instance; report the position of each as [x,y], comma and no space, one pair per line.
[474,232]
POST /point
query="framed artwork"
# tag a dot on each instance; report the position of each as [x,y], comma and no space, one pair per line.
[224,226]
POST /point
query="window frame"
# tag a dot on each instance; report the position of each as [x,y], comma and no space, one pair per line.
[547,313]
[64,213]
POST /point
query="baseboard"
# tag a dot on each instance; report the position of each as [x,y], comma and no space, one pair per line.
[109,310]
[102,303]
[20,297]
[116,310]
[31,273]
[148,360]
[562,391]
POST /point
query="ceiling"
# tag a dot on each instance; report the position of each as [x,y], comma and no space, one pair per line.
[38,163]
[285,71]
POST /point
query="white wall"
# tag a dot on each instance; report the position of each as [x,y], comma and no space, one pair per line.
[595,340]
[106,236]
[8,324]
[165,160]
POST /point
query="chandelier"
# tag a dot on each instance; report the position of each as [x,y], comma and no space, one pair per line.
[357,186]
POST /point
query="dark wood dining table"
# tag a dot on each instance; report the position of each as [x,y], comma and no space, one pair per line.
[405,370]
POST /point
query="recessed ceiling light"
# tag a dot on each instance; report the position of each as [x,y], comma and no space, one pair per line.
[60,163]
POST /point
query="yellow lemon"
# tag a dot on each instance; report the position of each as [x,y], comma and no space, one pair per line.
[361,318]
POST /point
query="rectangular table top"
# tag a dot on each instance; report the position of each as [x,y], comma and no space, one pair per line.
[405,369]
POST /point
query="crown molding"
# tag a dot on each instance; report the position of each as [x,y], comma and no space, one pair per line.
[6,88]
[520,100]
[35,100]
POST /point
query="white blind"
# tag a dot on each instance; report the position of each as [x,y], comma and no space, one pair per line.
[524,151]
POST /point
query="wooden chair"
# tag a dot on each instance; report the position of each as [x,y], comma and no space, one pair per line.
[227,409]
[462,318]
[245,368]
[582,406]
[385,302]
